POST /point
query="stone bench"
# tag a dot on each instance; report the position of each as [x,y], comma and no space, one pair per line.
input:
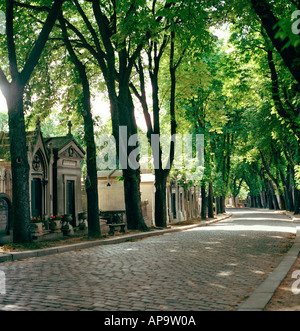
[113,216]
[114,225]
[114,219]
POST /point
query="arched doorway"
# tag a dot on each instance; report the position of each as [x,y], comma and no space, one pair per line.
[5,214]
[38,183]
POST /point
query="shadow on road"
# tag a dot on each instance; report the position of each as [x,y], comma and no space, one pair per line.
[247,219]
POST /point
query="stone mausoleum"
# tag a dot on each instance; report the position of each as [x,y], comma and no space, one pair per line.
[54,180]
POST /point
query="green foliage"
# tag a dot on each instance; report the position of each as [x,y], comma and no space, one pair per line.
[297,176]
[4,121]
[223,91]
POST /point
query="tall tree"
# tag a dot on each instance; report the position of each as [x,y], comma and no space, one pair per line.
[272,115]
[155,53]
[91,182]
[114,34]
[12,85]
[184,33]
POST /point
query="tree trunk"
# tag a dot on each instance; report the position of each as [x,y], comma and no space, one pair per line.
[259,202]
[234,201]
[271,203]
[276,204]
[290,198]
[210,204]
[297,202]
[160,199]
[161,174]
[289,116]
[123,116]
[282,202]
[92,187]
[134,215]
[264,199]
[285,202]
[13,93]
[19,167]
[271,24]
[203,203]
[92,179]
[217,203]
[251,201]
[121,105]
[273,194]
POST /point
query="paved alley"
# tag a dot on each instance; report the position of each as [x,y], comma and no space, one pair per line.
[207,268]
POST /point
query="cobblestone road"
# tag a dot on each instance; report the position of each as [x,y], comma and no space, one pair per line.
[207,268]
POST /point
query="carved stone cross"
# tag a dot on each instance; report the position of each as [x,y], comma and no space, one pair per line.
[70,128]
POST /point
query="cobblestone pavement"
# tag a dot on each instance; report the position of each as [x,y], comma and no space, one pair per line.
[284,298]
[208,268]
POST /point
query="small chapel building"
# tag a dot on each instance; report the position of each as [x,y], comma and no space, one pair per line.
[54,179]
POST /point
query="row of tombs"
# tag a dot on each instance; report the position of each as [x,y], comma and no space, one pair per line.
[57,193]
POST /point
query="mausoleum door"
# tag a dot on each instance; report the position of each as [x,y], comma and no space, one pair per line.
[36,197]
[38,185]
[174,205]
[3,215]
[70,200]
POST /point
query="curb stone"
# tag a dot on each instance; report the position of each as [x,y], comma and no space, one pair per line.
[293,217]
[259,299]
[17,256]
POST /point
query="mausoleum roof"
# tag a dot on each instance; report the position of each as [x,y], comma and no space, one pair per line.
[59,143]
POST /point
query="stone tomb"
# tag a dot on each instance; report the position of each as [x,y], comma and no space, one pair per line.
[4,217]
[54,179]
